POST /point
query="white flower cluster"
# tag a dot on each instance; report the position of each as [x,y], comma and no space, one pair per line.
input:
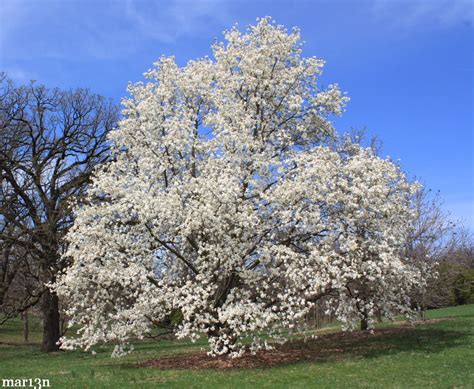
[224,205]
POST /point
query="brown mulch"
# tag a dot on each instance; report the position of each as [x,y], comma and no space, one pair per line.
[329,345]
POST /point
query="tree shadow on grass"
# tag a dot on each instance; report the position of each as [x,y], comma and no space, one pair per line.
[326,348]
[387,341]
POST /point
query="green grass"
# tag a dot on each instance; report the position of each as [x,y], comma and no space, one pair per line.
[437,355]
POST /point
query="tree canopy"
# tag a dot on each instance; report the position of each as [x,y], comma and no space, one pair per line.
[228,205]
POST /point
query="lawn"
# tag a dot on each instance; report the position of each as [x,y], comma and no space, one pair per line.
[438,354]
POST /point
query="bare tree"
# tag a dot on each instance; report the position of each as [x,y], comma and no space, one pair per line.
[50,142]
[438,243]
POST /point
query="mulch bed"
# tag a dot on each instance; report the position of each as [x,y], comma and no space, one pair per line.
[324,346]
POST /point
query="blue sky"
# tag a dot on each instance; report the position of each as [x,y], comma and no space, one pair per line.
[408,66]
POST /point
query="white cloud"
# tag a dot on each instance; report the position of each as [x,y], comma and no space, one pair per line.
[19,75]
[413,13]
[100,29]
[166,21]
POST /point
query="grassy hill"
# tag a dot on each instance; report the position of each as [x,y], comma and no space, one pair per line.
[435,354]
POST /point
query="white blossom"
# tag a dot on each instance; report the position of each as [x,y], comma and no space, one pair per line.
[225,204]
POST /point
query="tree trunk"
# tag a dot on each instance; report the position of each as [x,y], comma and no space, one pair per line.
[364,323]
[26,329]
[51,334]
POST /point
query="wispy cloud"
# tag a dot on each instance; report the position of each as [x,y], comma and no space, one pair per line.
[415,13]
[19,75]
[100,29]
[168,20]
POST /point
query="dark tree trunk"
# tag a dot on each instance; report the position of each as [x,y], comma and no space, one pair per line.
[51,334]
[364,323]
[26,329]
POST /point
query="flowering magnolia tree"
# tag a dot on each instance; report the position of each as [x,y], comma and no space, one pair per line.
[224,209]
